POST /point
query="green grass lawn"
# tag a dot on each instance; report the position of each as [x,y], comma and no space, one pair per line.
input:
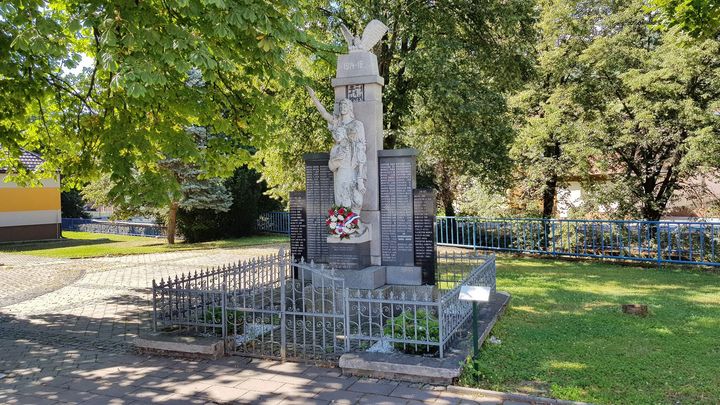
[564,334]
[84,244]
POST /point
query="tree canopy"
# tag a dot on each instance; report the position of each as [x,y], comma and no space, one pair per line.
[620,98]
[545,91]
[151,70]
[699,18]
[448,67]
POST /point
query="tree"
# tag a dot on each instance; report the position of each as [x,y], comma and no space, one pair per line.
[549,147]
[699,18]
[72,204]
[297,129]
[248,201]
[129,108]
[447,67]
[644,99]
[182,187]
[196,192]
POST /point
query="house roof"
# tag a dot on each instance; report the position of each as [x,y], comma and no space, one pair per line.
[28,159]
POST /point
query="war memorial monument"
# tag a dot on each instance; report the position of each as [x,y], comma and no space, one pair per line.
[361,213]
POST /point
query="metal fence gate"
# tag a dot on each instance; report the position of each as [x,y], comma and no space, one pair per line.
[284,310]
[272,308]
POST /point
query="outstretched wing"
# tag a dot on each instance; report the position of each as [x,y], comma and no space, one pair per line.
[347,34]
[373,33]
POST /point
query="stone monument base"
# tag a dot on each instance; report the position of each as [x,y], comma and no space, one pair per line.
[403,275]
[368,278]
[373,277]
[349,254]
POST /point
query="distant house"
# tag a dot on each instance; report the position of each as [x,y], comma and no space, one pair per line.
[698,198]
[29,213]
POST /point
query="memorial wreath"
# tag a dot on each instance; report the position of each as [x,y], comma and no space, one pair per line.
[342,222]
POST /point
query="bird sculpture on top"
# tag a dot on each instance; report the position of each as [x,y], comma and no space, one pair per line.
[372,34]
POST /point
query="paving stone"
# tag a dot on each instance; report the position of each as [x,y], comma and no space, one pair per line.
[291,379]
[448,398]
[148,395]
[338,383]
[107,400]
[340,396]
[114,390]
[223,394]
[304,401]
[254,397]
[30,400]
[370,399]
[73,396]
[414,393]
[177,399]
[259,385]
[304,391]
[187,389]
[482,401]
[373,386]
[73,344]
[314,372]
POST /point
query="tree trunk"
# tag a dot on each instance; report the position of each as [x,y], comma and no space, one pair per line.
[650,212]
[551,151]
[549,197]
[448,205]
[445,189]
[172,222]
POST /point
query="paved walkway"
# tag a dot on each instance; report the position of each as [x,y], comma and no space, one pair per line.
[66,328]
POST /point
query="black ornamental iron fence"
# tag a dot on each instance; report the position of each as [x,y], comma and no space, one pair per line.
[272,307]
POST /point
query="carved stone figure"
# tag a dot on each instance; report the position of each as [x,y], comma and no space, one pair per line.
[348,156]
[372,34]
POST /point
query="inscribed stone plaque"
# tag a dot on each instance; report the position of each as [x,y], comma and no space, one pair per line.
[355,92]
[349,256]
[319,196]
[298,225]
[397,179]
[425,207]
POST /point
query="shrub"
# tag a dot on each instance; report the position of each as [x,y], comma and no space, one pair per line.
[233,318]
[249,200]
[408,325]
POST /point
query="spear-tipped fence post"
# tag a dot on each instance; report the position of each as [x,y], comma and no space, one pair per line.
[155,305]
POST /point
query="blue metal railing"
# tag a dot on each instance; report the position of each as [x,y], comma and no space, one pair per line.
[683,242]
[274,222]
[113,227]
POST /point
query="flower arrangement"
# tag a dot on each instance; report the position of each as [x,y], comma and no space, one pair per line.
[342,222]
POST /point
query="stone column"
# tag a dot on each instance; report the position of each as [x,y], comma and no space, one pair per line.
[359,81]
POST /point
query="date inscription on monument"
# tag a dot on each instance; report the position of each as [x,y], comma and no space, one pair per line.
[425,207]
[396,210]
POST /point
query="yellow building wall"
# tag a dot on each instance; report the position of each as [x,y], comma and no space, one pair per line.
[29,213]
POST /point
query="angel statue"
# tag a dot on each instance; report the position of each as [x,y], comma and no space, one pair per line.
[372,34]
[348,160]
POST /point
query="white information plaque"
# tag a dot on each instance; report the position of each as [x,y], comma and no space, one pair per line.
[473,293]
